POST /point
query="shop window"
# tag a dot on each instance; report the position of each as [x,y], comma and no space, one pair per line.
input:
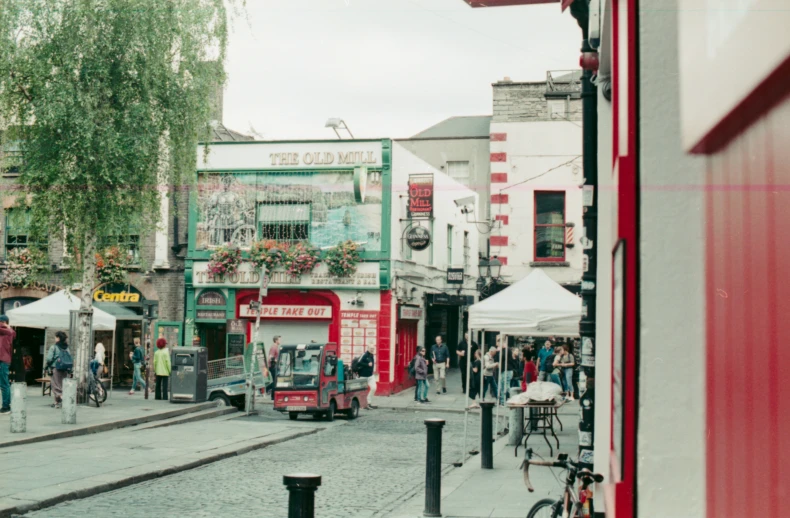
[550,226]
[449,245]
[18,231]
[458,170]
[284,222]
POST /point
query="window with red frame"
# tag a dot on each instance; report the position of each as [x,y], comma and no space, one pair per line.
[549,226]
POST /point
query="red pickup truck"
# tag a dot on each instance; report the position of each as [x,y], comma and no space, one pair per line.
[311,379]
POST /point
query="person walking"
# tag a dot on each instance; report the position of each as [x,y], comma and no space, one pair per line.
[566,364]
[421,374]
[530,373]
[461,351]
[138,359]
[490,367]
[7,336]
[274,355]
[367,367]
[543,366]
[474,379]
[554,369]
[58,369]
[441,362]
[162,369]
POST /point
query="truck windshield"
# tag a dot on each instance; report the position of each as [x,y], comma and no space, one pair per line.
[299,368]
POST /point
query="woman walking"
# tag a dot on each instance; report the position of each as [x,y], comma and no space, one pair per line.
[59,364]
[421,374]
[162,369]
[474,380]
[567,363]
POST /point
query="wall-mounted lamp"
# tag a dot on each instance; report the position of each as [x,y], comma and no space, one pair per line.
[357,300]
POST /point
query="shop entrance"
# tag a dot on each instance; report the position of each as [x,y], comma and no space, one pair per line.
[29,350]
[212,337]
[405,349]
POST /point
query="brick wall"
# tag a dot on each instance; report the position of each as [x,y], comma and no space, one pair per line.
[519,102]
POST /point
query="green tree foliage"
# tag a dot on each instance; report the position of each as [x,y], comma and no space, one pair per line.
[101,92]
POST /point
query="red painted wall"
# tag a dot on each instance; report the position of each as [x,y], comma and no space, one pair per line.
[384,367]
[748,321]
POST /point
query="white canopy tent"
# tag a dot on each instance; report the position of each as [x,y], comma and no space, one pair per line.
[534,306]
[54,311]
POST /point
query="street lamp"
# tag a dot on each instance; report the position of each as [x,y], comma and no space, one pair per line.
[489,271]
[336,124]
[495,266]
[483,268]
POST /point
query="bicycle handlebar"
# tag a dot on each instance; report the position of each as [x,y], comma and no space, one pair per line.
[564,464]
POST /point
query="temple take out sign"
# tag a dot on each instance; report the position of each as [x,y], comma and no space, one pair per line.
[247,276]
[285,311]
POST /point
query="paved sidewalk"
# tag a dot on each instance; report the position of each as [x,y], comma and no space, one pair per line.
[473,492]
[120,409]
[40,475]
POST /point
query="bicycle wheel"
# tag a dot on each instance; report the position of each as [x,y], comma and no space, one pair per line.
[546,508]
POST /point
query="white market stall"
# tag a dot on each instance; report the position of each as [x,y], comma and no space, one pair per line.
[54,311]
[534,306]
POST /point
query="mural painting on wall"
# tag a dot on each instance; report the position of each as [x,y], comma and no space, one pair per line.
[315,207]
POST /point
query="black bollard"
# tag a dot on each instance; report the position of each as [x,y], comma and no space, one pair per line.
[433,468]
[301,494]
[486,436]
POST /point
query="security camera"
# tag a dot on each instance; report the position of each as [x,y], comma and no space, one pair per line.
[469,200]
[467,209]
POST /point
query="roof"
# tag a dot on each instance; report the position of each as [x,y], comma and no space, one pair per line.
[454,127]
[219,133]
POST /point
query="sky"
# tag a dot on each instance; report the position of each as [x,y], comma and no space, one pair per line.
[388,68]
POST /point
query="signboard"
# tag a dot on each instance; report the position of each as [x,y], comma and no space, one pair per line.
[316,155]
[247,276]
[118,293]
[411,313]
[450,300]
[235,345]
[210,314]
[358,330]
[211,298]
[420,196]
[284,311]
[418,238]
[618,356]
[236,326]
[715,39]
[455,276]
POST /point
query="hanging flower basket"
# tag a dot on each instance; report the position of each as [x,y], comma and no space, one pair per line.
[21,265]
[110,265]
[224,261]
[343,259]
[268,253]
[301,258]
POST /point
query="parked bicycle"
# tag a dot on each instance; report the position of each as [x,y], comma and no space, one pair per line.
[96,391]
[571,504]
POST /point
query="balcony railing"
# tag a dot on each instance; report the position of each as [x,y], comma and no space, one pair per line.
[563,82]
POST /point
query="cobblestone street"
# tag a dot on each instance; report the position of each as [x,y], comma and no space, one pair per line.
[369,466]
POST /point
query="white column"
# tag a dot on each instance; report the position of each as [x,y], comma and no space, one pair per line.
[160,251]
[69,402]
[18,408]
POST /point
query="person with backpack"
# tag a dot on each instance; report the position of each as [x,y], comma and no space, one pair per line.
[59,363]
[162,369]
[421,373]
[138,360]
[7,336]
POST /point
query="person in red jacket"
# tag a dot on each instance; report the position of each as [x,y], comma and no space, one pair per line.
[530,372]
[7,336]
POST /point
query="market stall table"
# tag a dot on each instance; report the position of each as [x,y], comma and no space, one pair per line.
[545,413]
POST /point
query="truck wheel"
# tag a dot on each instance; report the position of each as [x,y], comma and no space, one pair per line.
[330,414]
[293,415]
[353,412]
[220,398]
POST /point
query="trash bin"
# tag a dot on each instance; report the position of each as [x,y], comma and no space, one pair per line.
[189,376]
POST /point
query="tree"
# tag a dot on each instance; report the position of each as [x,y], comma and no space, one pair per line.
[101,93]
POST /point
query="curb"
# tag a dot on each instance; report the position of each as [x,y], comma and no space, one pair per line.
[112,425]
[132,480]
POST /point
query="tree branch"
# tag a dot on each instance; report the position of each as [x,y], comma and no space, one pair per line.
[22,88]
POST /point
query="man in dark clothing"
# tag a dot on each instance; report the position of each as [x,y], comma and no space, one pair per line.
[544,367]
[461,351]
[441,362]
[366,368]
[7,336]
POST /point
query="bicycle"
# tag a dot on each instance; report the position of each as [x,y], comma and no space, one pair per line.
[570,505]
[96,391]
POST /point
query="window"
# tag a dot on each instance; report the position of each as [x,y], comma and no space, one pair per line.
[558,109]
[549,226]
[458,170]
[467,252]
[284,222]
[10,161]
[449,245]
[430,247]
[17,230]
[407,252]
[128,242]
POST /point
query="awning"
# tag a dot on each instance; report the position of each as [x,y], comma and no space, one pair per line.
[118,311]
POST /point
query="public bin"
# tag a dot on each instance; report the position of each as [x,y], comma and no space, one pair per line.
[189,376]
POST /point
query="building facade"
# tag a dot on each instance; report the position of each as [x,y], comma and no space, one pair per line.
[320,194]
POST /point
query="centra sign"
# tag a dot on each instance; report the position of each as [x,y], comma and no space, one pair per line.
[117,293]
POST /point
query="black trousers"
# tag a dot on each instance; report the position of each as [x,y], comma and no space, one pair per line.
[462,366]
[161,387]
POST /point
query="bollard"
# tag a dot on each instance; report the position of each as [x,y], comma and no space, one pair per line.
[301,494]
[433,468]
[69,402]
[516,424]
[18,408]
[486,436]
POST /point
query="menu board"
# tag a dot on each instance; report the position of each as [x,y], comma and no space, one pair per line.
[235,345]
[358,329]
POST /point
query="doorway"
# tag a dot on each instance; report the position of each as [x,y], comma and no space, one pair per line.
[405,349]
[212,337]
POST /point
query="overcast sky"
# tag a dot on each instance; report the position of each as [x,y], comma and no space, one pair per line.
[389,68]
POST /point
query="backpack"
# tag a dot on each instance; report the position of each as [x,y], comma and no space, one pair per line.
[64,361]
[355,364]
[413,368]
